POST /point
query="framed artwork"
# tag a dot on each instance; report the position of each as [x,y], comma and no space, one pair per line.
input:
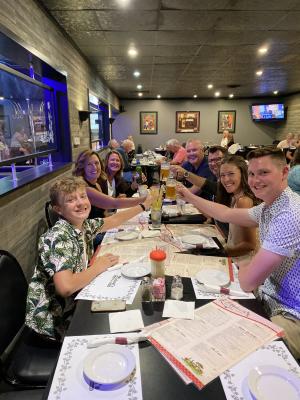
[5,126]
[187,121]
[226,120]
[148,122]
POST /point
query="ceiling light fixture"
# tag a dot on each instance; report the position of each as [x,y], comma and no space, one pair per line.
[210,86]
[195,96]
[263,50]
[217,94]
[231,95]
[158,96]
[140,94]
[132,52]
[136,74]
[139,86]
[275,92]
[259,73]
[1,98]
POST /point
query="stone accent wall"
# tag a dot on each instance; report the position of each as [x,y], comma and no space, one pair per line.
[292,124]
[22,213]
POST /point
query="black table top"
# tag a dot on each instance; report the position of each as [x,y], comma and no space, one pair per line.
[159,381]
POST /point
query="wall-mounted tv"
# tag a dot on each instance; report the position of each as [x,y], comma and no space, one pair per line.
[268,112]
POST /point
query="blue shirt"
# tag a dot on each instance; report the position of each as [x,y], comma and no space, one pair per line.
[201,170]
[294,179]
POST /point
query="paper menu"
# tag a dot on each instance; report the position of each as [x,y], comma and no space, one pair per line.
[187,265]
[222,333]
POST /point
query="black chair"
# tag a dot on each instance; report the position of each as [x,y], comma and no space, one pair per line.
[51,216]
[27,359]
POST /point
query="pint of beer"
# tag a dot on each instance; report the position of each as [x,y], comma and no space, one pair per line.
[170,188]
[164,172]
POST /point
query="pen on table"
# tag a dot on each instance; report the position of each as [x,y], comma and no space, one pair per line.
[225,290]
[116,340]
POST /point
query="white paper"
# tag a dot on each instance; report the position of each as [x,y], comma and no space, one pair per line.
[179,309]
[203,293]
[275,354]
[126,321]
[110,285]
[68,382]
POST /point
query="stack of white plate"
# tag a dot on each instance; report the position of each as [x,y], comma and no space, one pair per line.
[268,382]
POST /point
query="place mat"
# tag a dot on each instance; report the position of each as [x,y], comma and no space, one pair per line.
[110,285]
[202,293]
[275,354]
[68,382]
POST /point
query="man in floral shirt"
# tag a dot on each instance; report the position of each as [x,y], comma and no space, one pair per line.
[64,255]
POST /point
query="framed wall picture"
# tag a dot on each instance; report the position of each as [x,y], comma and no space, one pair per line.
[148,122]
[187,121]
[226,120]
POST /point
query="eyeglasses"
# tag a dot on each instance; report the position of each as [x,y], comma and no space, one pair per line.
[215,160]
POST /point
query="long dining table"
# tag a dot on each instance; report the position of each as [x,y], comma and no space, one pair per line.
[158,378]
[159,381]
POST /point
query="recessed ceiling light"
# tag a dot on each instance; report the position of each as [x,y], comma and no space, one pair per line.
[158,96]
[136,74]
[195,96]
[139,87]
[217,94]
[210,86]
[140,94]
[259,73]
[231,95]
[1,98]
[132,52]
[263,50]
[275,92]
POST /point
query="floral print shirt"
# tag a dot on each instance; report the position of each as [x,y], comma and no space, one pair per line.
[62,248]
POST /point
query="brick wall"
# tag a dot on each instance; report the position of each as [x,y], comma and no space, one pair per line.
[292,124]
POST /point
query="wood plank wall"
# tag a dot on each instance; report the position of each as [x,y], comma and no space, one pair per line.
[22,214]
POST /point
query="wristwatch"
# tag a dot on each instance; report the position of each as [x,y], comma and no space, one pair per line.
[186,174]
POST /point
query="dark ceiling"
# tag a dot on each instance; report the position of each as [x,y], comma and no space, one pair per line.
[183,45]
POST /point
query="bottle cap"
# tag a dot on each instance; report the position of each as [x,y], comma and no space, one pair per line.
[158,255]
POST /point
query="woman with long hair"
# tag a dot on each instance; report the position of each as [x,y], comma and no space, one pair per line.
[116,184]
[234,191]
[89,166]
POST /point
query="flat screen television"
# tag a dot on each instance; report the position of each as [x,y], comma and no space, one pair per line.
[268,112]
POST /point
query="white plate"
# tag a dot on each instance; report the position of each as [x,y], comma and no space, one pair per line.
[194,239]
[109,364]
[126,235]
[246,391]
[136,269]
[211,276]
[267,382]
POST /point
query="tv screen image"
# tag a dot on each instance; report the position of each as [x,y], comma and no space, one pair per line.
[267,112]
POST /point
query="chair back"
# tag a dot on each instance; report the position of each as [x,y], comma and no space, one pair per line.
[13,294]
[51,216]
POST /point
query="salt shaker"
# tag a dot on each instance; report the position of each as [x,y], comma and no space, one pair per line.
[177,288]
[146,289]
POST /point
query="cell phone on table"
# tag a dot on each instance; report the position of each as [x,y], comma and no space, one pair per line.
[108,305]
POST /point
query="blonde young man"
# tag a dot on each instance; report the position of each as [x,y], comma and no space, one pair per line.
[275,269]
[65,253]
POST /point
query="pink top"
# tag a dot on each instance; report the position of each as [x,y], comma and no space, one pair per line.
[180,156]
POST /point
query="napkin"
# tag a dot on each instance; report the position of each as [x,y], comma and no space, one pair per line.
[179,309]
[126,321]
